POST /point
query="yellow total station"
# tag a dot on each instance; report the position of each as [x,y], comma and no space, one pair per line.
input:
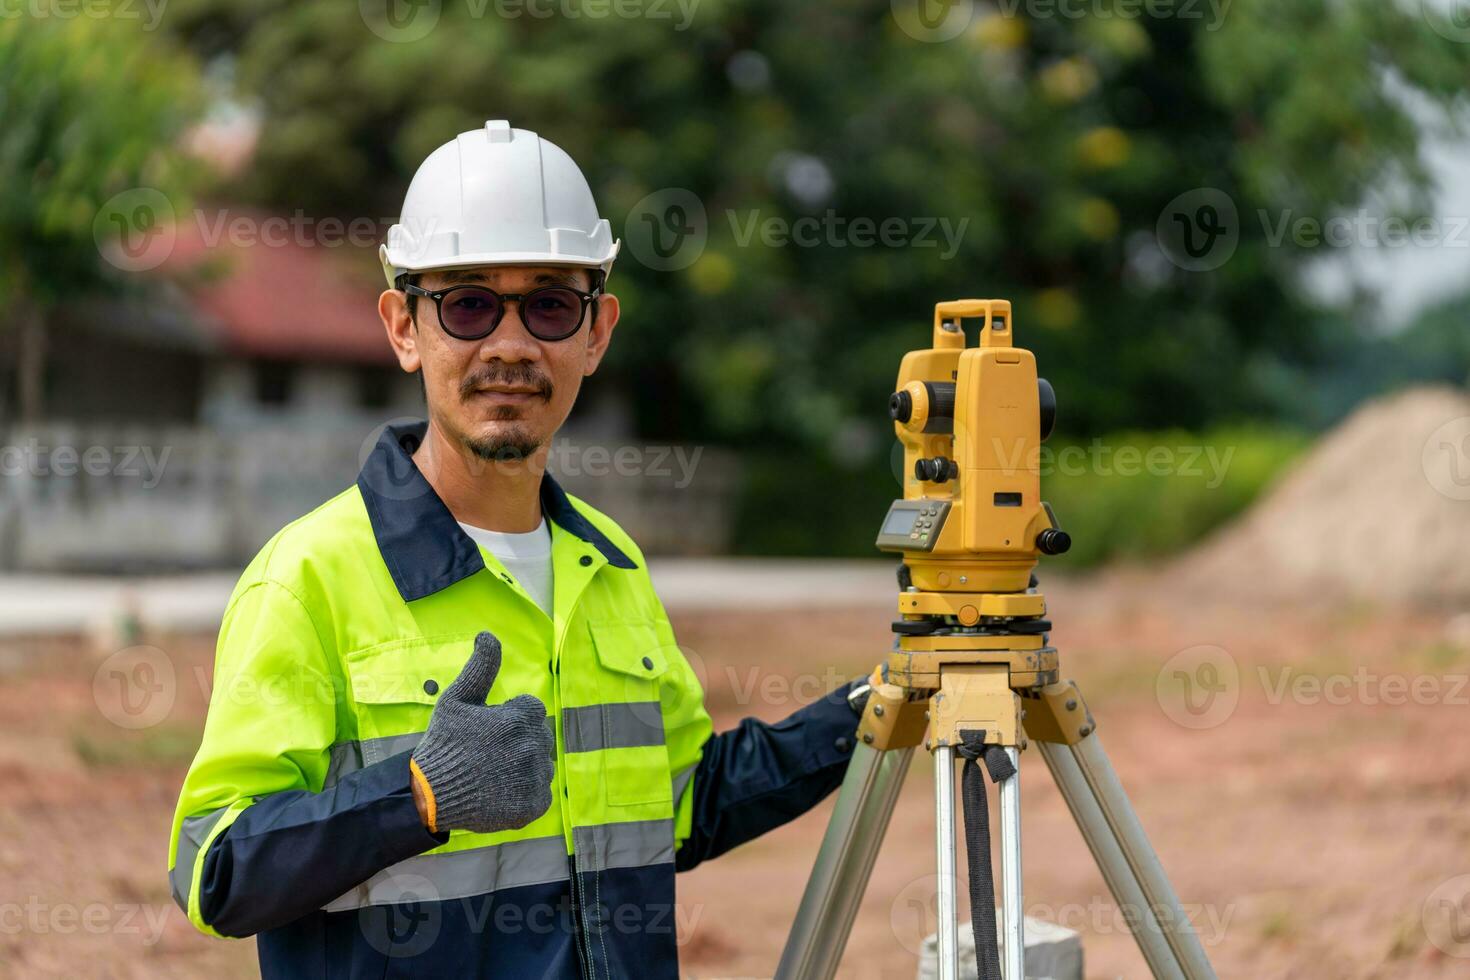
[971,669]
[970,527]
[971,421]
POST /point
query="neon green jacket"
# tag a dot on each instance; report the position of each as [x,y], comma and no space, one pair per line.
[296,820]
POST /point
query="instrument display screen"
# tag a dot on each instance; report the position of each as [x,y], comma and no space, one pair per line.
[900,521]
[913,525]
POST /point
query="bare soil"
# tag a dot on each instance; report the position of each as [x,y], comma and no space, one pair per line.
[1375,510]
[1306,791]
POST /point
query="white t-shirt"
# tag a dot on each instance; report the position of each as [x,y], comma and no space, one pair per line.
[526,556]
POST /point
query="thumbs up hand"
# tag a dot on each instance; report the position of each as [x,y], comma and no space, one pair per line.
[480,767]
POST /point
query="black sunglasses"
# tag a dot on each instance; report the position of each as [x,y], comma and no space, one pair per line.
[473,312]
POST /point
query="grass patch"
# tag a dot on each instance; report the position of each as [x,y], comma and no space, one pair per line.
[1125,496]
[1279,925]
[1139,495]
[158,746]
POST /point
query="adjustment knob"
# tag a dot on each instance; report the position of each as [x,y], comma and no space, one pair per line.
[935,470]
[1053,541]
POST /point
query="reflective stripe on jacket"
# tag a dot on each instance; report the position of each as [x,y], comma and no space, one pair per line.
[296,822]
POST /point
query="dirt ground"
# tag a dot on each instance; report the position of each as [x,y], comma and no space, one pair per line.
[1302,773]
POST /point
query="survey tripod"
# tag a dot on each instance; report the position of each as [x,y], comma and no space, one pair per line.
[972,673]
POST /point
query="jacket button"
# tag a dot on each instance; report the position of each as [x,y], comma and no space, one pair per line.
[843,744]
[586,559]
[648,663]
[431,686]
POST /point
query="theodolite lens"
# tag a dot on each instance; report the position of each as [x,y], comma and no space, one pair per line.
[900,406]
[937,412]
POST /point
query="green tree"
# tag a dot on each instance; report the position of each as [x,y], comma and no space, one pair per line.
[1057,140]
[93,108]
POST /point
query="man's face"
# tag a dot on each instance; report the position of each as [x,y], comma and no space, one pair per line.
[505,395]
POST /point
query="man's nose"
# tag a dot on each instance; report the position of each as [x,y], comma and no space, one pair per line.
[511,341]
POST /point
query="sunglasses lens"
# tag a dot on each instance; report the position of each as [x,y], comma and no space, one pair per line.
[469,312]
[553,314]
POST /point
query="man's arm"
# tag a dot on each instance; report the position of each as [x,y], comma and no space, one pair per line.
[732,787]
[758,776]
[259,838]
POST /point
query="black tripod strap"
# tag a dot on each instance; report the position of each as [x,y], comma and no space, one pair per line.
[972,747]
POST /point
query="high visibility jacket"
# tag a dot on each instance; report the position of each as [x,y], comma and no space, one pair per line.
[296,822]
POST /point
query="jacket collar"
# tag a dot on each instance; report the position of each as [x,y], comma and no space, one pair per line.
[422,544]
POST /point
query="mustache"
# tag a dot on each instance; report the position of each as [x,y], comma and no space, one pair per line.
[517,375]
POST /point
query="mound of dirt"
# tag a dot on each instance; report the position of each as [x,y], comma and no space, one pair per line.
[1378,510]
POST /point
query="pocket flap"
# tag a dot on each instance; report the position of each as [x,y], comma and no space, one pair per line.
[414,671]
[631,647]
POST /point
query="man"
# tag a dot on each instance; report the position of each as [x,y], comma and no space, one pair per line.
[450,731]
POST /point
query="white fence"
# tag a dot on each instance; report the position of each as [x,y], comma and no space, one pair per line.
[122,498]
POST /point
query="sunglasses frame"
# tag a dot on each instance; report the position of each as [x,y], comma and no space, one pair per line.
[437,295]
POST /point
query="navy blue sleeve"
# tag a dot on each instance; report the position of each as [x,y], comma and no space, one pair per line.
[757,776]
[290,853]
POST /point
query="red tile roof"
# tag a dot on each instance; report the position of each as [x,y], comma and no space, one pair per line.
[273,291]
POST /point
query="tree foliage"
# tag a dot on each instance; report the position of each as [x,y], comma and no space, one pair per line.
[92,112]
[1058,139]
[92,108]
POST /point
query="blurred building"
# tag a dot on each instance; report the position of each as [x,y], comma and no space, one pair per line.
[241,387]
[232,337]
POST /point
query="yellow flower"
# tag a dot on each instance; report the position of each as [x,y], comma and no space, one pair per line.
[1068,80]
[712,273]
[1055,309]
[1098,219]
[998,32]
[1103,147]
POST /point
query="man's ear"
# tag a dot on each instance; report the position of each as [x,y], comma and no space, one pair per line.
[402,334]
[599,335]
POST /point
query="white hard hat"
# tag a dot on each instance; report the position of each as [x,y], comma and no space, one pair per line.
[497,196]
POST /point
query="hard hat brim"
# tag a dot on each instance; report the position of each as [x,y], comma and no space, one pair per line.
[392,270]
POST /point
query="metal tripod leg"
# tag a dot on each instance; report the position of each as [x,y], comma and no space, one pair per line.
[1127,860]
[1013,912]
[840,877]
[948,923]
[1063,731]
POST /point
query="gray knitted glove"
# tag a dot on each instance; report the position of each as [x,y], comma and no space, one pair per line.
[488,768]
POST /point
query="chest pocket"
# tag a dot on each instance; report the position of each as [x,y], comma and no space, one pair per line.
[626,727]
[395,687]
